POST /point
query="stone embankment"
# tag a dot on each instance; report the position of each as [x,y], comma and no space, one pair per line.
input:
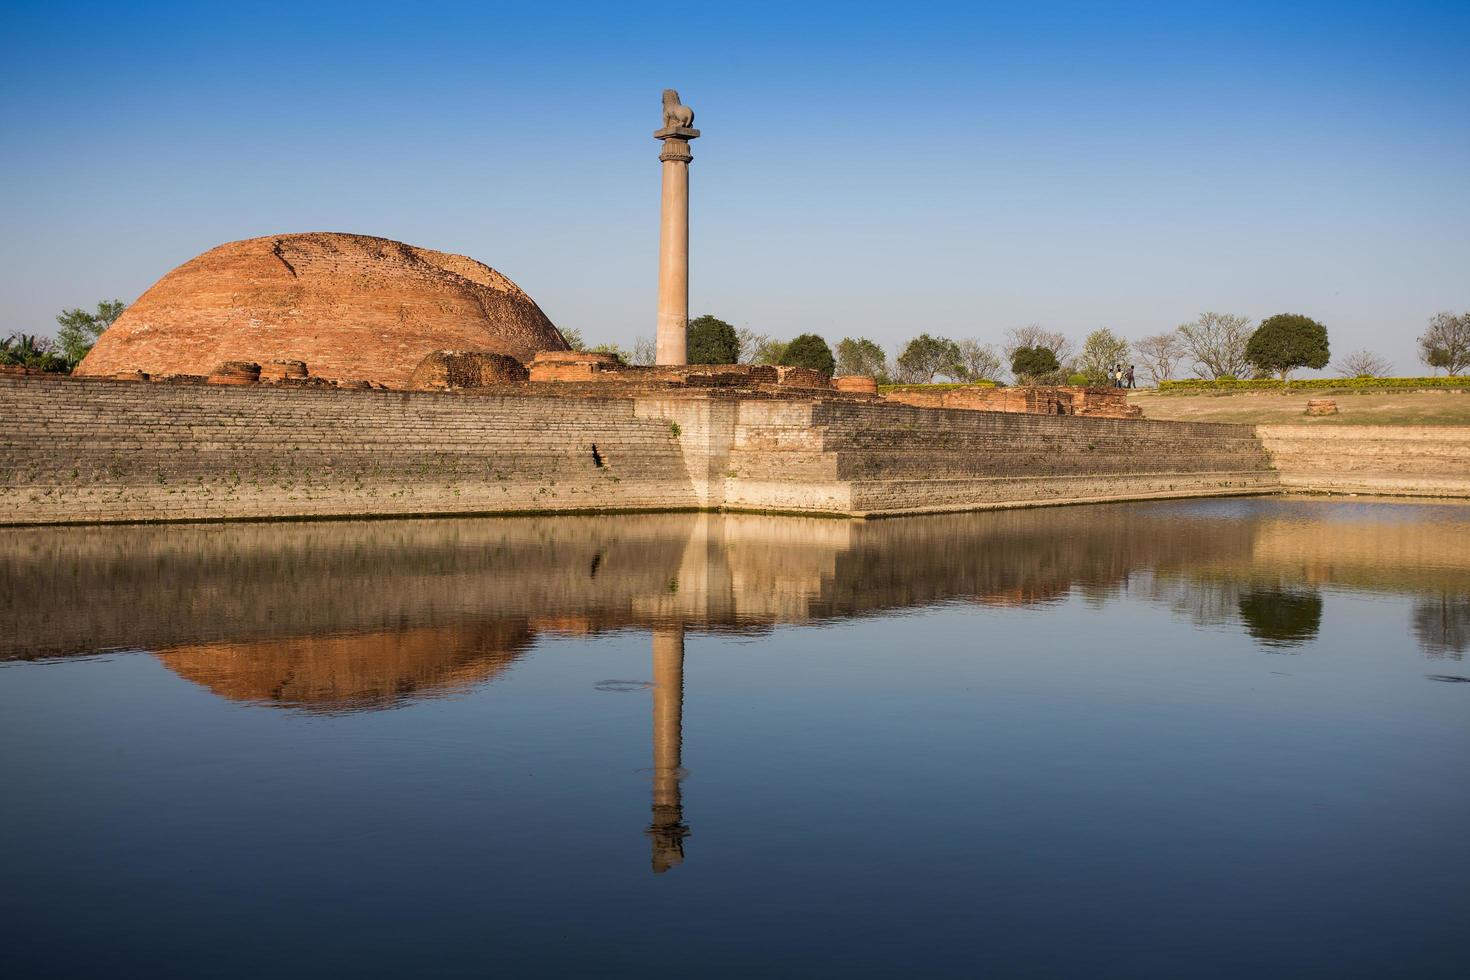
[77,450]
[1412,460]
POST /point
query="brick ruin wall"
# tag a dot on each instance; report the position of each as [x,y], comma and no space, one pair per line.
[1409,460]
[1029,399]
[75,450]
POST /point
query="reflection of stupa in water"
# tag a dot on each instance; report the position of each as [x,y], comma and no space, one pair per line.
[354,671]
[667,831]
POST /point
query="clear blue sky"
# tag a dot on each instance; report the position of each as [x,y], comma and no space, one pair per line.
[877,169]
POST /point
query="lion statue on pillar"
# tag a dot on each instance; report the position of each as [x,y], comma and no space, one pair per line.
[676,114]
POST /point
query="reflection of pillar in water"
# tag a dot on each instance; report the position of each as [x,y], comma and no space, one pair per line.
[667,830]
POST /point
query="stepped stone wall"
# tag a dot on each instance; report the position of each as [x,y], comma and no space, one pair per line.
[80,450]
[1413,460]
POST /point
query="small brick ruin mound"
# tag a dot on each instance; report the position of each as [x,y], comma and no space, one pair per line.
[1104,403]
[235,373]
[572,365]
[856,382]
[283,371]
[445,369]
[1321,406]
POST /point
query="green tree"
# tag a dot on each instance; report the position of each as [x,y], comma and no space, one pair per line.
[573,337]
[1100,351]
[1285,342]
[78,330]
[809,351]
[712,341]
[926,356]
[860,356]
[1031,363]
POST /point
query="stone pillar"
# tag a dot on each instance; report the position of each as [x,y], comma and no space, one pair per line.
[671,338]
[667,831]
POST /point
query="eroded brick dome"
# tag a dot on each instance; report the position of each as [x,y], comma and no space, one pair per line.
[353,307]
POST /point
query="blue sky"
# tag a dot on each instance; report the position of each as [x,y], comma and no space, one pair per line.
[874,169]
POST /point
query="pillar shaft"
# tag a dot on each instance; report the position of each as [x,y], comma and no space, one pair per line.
[673,263]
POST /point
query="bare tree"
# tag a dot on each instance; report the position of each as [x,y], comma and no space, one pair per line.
[1034,335]
[980,361]
[751,344]
[1160,354]
[1446,344]
[645,351]
[1216,342]
[1364,364]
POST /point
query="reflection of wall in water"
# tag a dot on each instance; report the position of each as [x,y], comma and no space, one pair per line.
[69,590]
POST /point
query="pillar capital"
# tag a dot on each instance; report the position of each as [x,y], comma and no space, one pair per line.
[676,143]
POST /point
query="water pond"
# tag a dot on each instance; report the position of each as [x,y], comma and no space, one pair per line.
[1216,738]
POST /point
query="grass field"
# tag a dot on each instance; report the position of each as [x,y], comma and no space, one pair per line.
[1353,408]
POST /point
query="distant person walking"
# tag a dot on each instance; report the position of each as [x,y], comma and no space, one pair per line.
[1130,375]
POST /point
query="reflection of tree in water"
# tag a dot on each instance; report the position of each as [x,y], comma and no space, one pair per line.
[1203,601]
[1442,624]
[1281,617]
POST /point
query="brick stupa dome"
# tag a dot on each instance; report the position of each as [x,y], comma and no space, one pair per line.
[353,307]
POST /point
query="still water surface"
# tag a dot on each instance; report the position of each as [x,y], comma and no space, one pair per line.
[1188,739]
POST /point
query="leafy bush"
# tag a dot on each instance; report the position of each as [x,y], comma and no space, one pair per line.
[1029,363]
[809,351]
[1196,385]
[1080,380]
[712,341]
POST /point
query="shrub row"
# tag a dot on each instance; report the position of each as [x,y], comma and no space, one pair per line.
[1193,385]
